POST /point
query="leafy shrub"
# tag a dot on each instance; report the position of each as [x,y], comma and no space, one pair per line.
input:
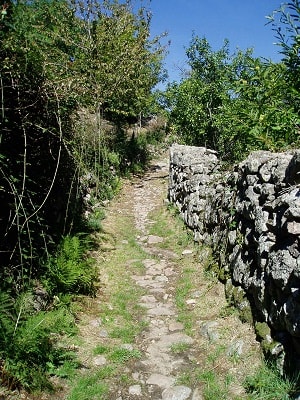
[94,220]
[56,63]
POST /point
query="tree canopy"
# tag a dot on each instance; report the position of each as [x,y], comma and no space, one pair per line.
[235,103]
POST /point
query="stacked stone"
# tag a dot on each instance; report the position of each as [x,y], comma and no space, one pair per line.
[192,171]
[266,261]
[251,218]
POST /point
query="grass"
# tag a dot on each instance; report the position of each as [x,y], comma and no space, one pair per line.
[117,308]
[92,386]
[184,288]
[179,348]
[168,224]
[101,349]
[215,354]
[186,379]
[268,384]
[121,355]
[213,387]
[129,332]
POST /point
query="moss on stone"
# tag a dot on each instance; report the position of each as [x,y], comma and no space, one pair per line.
[262,331]
[245,314]
[236,297]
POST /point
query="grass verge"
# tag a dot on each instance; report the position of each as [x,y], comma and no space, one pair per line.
[224,352]
[116,309]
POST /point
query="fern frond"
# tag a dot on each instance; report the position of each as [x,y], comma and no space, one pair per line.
[71,271]
[7,320]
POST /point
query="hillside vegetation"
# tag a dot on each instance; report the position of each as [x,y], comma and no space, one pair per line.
[66,68]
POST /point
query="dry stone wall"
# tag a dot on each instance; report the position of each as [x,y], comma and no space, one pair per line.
[250,217]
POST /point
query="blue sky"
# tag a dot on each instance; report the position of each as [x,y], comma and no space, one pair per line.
[242,22]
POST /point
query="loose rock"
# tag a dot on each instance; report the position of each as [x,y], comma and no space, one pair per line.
[176,393]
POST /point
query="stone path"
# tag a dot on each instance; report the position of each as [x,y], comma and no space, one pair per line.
[156,372]
[162,372]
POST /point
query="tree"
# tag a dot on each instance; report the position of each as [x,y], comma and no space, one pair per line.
[198,99]
[120,62]
[234,103]
[285,24]
[258,115]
